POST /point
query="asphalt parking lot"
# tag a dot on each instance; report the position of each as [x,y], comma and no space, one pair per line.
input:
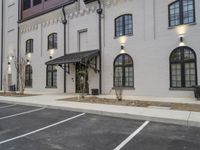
[33,128]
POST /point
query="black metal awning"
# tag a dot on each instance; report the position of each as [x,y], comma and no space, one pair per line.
[74,57]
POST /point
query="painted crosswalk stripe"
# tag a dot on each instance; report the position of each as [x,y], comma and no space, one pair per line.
[41,129]
[132,135]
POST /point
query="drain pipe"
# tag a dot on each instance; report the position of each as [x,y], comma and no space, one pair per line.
[18,41]
[2,42]
[64,22]
[99,12]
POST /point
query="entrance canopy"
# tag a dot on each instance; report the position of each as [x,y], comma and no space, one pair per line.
[74,57]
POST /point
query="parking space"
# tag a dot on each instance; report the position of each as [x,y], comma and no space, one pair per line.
[49,129]
[3,105]
[158,136]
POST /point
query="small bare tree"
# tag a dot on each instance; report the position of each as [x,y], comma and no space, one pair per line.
[20,66]
[5,85]
[82,83]
[119,94]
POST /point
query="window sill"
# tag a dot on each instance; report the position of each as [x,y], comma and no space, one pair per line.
[51,87]
[181,89]
[123,88]
[128,35]
[190,24]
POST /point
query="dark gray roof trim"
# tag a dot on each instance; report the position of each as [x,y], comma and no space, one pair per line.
[74,57]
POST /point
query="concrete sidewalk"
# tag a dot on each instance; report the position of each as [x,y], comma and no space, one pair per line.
[186,118]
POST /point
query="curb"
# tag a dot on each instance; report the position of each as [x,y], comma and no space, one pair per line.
[187,123]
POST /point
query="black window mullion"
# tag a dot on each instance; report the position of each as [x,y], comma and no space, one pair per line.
[123,71]
[52,78]
[182,68]
[181,11]
[124,25]
[194,19]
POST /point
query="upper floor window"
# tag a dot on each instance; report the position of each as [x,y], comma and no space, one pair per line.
[123,71]
[181,12]
[52,41]
[29,46]
[36,2]
[183,70]
[26,4]
[123,25]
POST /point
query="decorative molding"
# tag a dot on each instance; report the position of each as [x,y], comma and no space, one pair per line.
[72,12]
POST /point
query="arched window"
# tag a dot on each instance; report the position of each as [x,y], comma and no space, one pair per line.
[123,71]
[52,41]
[183,68]
[181,12]
[28,76]
[124,25]
[29,46]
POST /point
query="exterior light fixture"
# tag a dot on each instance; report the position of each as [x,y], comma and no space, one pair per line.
[181,39]
[28,62]
[9,68]
[51,53]
[122,51]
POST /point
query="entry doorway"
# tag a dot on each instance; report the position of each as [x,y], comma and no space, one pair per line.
[82,78]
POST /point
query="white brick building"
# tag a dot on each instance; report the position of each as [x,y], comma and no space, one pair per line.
[160,40]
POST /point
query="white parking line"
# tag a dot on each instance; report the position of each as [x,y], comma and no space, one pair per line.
[132,135]
[41,129]
[22,113]
[7,106]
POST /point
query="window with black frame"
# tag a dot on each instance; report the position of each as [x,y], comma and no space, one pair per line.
[36,2]
[28,76]
[29,46]
[181,12]
[52,41]
[123,71]
[51,76]
[123,25]
[26,4]
[183,69]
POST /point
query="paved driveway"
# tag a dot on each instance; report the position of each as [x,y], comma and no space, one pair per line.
[33,128]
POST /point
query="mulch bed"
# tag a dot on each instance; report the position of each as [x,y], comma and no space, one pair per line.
[14,94]
[136,103]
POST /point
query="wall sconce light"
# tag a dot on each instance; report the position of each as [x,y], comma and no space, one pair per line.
[9,68]
[51,53]
[122,51]
[181,38]
[28,62]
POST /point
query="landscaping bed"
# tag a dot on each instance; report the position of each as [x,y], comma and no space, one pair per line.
[136,103]
[15,94]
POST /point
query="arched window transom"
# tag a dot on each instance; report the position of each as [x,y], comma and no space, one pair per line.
[183,69]
[123,71]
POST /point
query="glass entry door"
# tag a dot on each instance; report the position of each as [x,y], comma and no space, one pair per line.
[81,79]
